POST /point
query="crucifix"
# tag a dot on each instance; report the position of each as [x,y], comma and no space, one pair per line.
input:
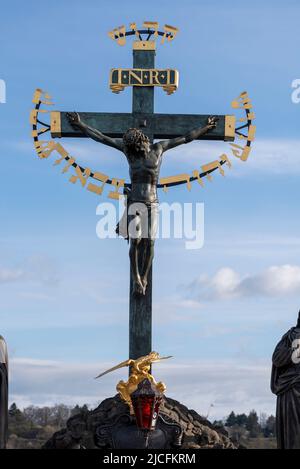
[143,137]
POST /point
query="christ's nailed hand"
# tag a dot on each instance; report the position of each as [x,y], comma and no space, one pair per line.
[212,122]
[74,118]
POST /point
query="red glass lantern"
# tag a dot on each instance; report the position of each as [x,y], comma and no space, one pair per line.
[146,401]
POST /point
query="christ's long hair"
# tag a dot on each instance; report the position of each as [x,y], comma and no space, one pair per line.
[135,140]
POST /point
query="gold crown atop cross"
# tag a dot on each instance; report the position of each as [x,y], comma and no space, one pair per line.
[149,29]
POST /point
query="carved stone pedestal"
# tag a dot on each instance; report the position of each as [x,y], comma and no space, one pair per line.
[110,426]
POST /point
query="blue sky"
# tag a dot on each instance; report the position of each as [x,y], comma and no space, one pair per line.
[64,292]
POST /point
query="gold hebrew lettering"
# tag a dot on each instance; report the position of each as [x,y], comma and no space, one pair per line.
[44,149]
[132,26]
[58,161]
[170,33]
[247,105]
[243,154]
[211,167]
[236,104]
[217,164]
[37,97]
[64,154]
[250,117]
[36,133]
[251,134]
[120,33]
[242,102]
[225,158]
[152,25]
[98,189]
[70,163]
[34,115]
[196,174]
[82,175]
[178,178]
[118,183]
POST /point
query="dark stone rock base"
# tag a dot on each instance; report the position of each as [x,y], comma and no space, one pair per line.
[82,429]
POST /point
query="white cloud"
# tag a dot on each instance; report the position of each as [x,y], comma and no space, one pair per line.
[175,309]
[276,280]
[268,156]
[37,268]
[228,384]
[276,156]
[10,275]
[227,283]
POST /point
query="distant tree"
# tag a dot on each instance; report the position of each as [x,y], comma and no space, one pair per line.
[13,411]
[60,414]
[231,420]
[218,423]
[17,423]
[29,413]
[252,424]
[241,420]
[45,416]
[79,409]
[75,410]
[237,433]
[270,428]
[263,420]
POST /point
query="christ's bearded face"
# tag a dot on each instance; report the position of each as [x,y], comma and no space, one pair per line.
[136,142]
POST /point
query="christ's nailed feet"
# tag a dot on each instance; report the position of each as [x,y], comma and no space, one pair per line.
[138,288]
[144,283]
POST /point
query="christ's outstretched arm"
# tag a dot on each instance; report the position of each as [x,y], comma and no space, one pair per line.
[95,134]
[193,135]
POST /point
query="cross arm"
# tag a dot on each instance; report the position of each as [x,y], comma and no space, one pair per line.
[97,135]
[110,124]
[156,126]
[194,134]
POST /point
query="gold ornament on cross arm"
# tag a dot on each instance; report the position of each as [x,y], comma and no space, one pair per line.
[45,149]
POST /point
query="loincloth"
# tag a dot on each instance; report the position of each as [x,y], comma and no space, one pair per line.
[139,220]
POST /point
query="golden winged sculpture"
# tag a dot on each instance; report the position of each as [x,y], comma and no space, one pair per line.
[139,370]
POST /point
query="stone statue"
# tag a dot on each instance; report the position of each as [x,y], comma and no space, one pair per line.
[3,393]
[285,383]
[144,161]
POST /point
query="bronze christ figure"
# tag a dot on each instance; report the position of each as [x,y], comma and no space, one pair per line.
[144,160]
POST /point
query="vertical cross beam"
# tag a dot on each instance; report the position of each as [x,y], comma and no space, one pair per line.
[140,306]
[143,96]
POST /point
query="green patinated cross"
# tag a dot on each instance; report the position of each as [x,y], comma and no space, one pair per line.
[155,126]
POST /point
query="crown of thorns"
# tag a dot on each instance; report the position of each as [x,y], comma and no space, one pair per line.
[135,138]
